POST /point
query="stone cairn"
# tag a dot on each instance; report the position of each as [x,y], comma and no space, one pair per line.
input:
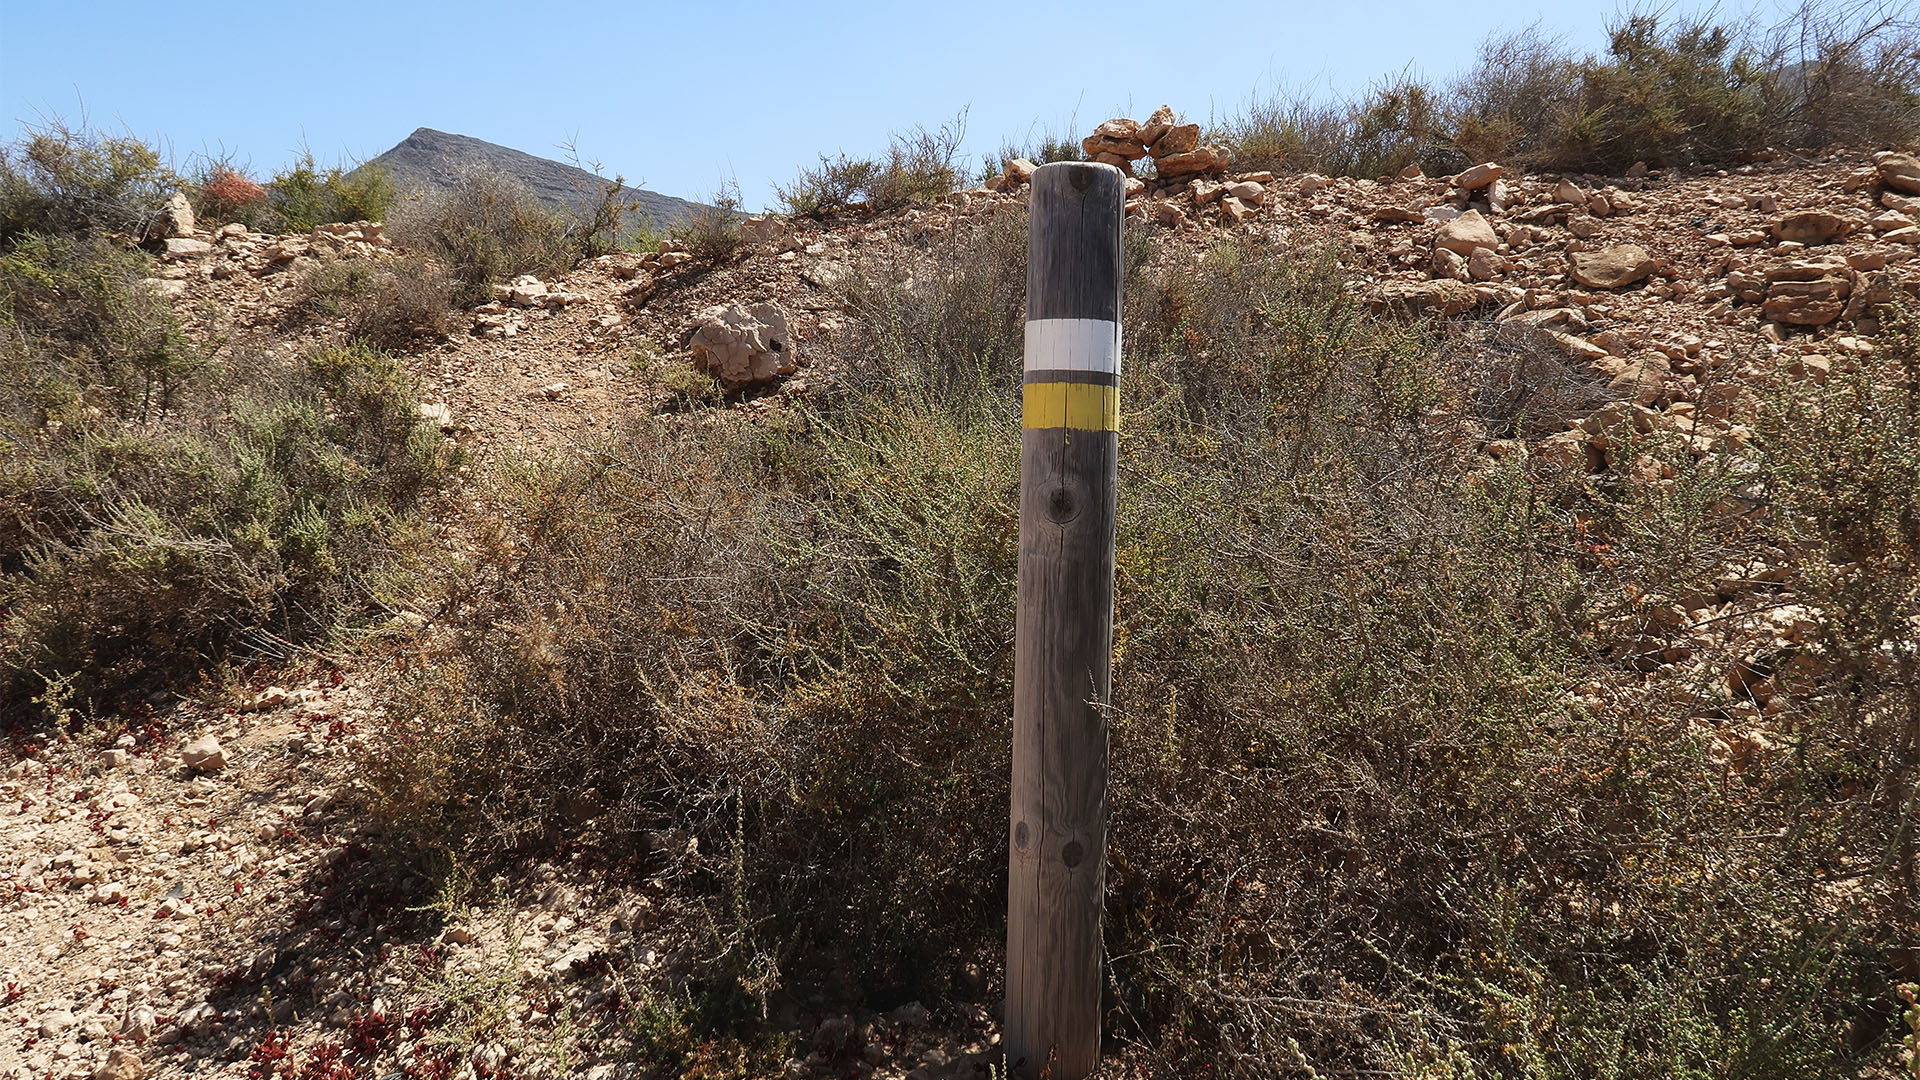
[1175,149]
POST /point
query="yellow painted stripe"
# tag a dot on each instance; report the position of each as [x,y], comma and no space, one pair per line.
[1071,405]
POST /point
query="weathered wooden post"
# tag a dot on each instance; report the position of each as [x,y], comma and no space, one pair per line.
[1070,415]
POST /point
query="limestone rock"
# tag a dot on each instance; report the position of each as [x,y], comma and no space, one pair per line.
[1400,215]
[1156,125]
[1901,172]
[1811,227]
[56,1023]
[204,754]
[527,291]
[1612,267]
[121,1064]
[1120,148]
[1486,264]
[743,346]
[1017,171]
[1466,233]
[139,1025]
[1447,263]
[1442,296]
[174,219]
[1814,302]
[1178,139]
[1205,160]
[1479,176]
[1249,192]
[187,245]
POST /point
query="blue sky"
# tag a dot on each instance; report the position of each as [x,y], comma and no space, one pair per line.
[681,97]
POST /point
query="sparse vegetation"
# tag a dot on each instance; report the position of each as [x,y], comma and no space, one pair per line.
[161,504]
[305,194]
[1048,148]
[1428,760]
[390,305]
[1670,90]
[59,181]
[1359,655]
[919,167]
[713,232]
[485,229]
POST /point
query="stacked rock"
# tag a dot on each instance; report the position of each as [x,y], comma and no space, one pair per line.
[1174,148]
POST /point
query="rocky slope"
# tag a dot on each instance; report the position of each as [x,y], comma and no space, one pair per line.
[175,900]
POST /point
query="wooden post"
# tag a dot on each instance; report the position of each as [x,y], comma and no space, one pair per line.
[1070,415]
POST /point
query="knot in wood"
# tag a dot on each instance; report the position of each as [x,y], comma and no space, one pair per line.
[1062,507]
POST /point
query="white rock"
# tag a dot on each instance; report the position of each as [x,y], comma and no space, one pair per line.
[743,346]
[204,754]
[527,291]
[174,219]
[121,1064]
[56,1023]
[139,1024]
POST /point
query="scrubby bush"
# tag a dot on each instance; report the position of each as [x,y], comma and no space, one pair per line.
[1047,149]
[1368,814]
[79,313]
[1669,89]
[160,506]
[222,193]
[61,181]
[600,225]
[713,232]
[304,194]
[1681,90]
[390,305]
[486,228]
[919,167]
[1396,124]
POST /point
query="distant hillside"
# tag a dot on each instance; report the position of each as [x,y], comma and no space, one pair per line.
[430,160]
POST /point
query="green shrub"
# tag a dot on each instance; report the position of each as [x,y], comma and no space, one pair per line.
[327,289]
[161,507]
[78,313]
[304,194]
[1049,148]
[600,226]
[60,182]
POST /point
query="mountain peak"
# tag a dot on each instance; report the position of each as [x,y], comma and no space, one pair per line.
[430,160]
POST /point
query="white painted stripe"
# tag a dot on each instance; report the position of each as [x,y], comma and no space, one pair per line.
[1073,345]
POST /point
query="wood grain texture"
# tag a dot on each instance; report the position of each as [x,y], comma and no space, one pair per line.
[1074,253]
[1057,838]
